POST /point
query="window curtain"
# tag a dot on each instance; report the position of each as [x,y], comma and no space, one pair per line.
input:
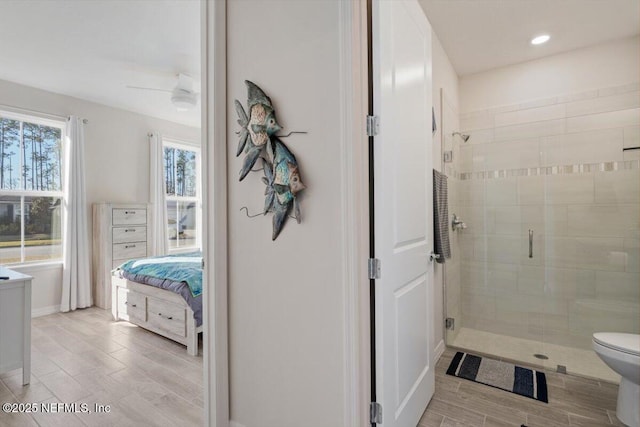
[157,195]
[76,277]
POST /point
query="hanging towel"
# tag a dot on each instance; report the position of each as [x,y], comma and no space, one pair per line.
[441,217]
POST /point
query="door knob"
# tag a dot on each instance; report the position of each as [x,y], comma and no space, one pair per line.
[434,256]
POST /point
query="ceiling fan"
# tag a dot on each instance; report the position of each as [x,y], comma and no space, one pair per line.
[183,97]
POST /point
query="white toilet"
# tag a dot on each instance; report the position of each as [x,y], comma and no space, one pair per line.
[621,352]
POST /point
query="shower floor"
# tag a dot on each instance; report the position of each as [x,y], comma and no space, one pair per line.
[580,362]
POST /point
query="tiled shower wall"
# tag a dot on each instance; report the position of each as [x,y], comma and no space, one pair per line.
[555,166]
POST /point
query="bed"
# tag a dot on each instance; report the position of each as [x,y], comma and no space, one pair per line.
[162,294]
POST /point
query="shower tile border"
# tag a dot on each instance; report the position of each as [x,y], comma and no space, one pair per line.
[549,170]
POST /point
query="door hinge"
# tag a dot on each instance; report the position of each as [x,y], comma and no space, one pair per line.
[375,413]
[373,125]
[448,156]
[374,268]
[450,323]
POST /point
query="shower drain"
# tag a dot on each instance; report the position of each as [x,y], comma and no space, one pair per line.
[541,356]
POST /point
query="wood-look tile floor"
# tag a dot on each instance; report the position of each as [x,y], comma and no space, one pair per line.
[573,401]
[86,357]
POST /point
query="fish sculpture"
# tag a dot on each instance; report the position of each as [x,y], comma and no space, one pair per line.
[283,183]
[256,128]
[281,172]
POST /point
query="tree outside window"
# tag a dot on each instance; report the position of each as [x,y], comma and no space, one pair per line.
[30,189]
[182,174]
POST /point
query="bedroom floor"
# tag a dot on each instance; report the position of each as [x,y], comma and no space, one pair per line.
[573,401]
[86,357]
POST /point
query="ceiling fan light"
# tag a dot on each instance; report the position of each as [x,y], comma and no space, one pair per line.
[183,101]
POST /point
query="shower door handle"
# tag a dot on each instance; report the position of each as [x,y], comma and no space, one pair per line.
[530,243]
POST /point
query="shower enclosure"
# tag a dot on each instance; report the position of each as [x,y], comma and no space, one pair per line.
[549,192]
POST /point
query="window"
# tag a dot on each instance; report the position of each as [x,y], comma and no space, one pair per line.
[30,189]
[182,184]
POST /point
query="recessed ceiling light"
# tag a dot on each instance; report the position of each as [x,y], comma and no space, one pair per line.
[540,39]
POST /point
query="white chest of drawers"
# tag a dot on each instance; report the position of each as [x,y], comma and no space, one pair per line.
[120,233]
[15,322]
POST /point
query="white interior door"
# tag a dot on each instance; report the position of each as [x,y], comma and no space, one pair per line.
[403,210]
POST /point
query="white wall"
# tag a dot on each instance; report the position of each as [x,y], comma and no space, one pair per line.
[445,80]
[116,156]
[286,314]
[609,64]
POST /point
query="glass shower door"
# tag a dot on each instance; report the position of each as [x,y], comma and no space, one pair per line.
[452,310]
[499,298]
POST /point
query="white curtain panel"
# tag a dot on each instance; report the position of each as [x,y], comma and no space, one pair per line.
[157,195]
[76,276]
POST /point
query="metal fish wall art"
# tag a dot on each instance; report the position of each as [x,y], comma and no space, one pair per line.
[257,127]
[281,171]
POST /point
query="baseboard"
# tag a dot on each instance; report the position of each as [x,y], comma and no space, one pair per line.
[437,352]
[44,311]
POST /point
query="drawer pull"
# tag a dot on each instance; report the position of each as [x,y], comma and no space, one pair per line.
[127,230]
[129,246]
[132,305]
[166,317]
[129,212]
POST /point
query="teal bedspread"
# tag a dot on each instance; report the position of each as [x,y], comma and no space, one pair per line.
[185,267]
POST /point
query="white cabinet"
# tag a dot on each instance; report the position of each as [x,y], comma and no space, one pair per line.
[120,233]
[15,322]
